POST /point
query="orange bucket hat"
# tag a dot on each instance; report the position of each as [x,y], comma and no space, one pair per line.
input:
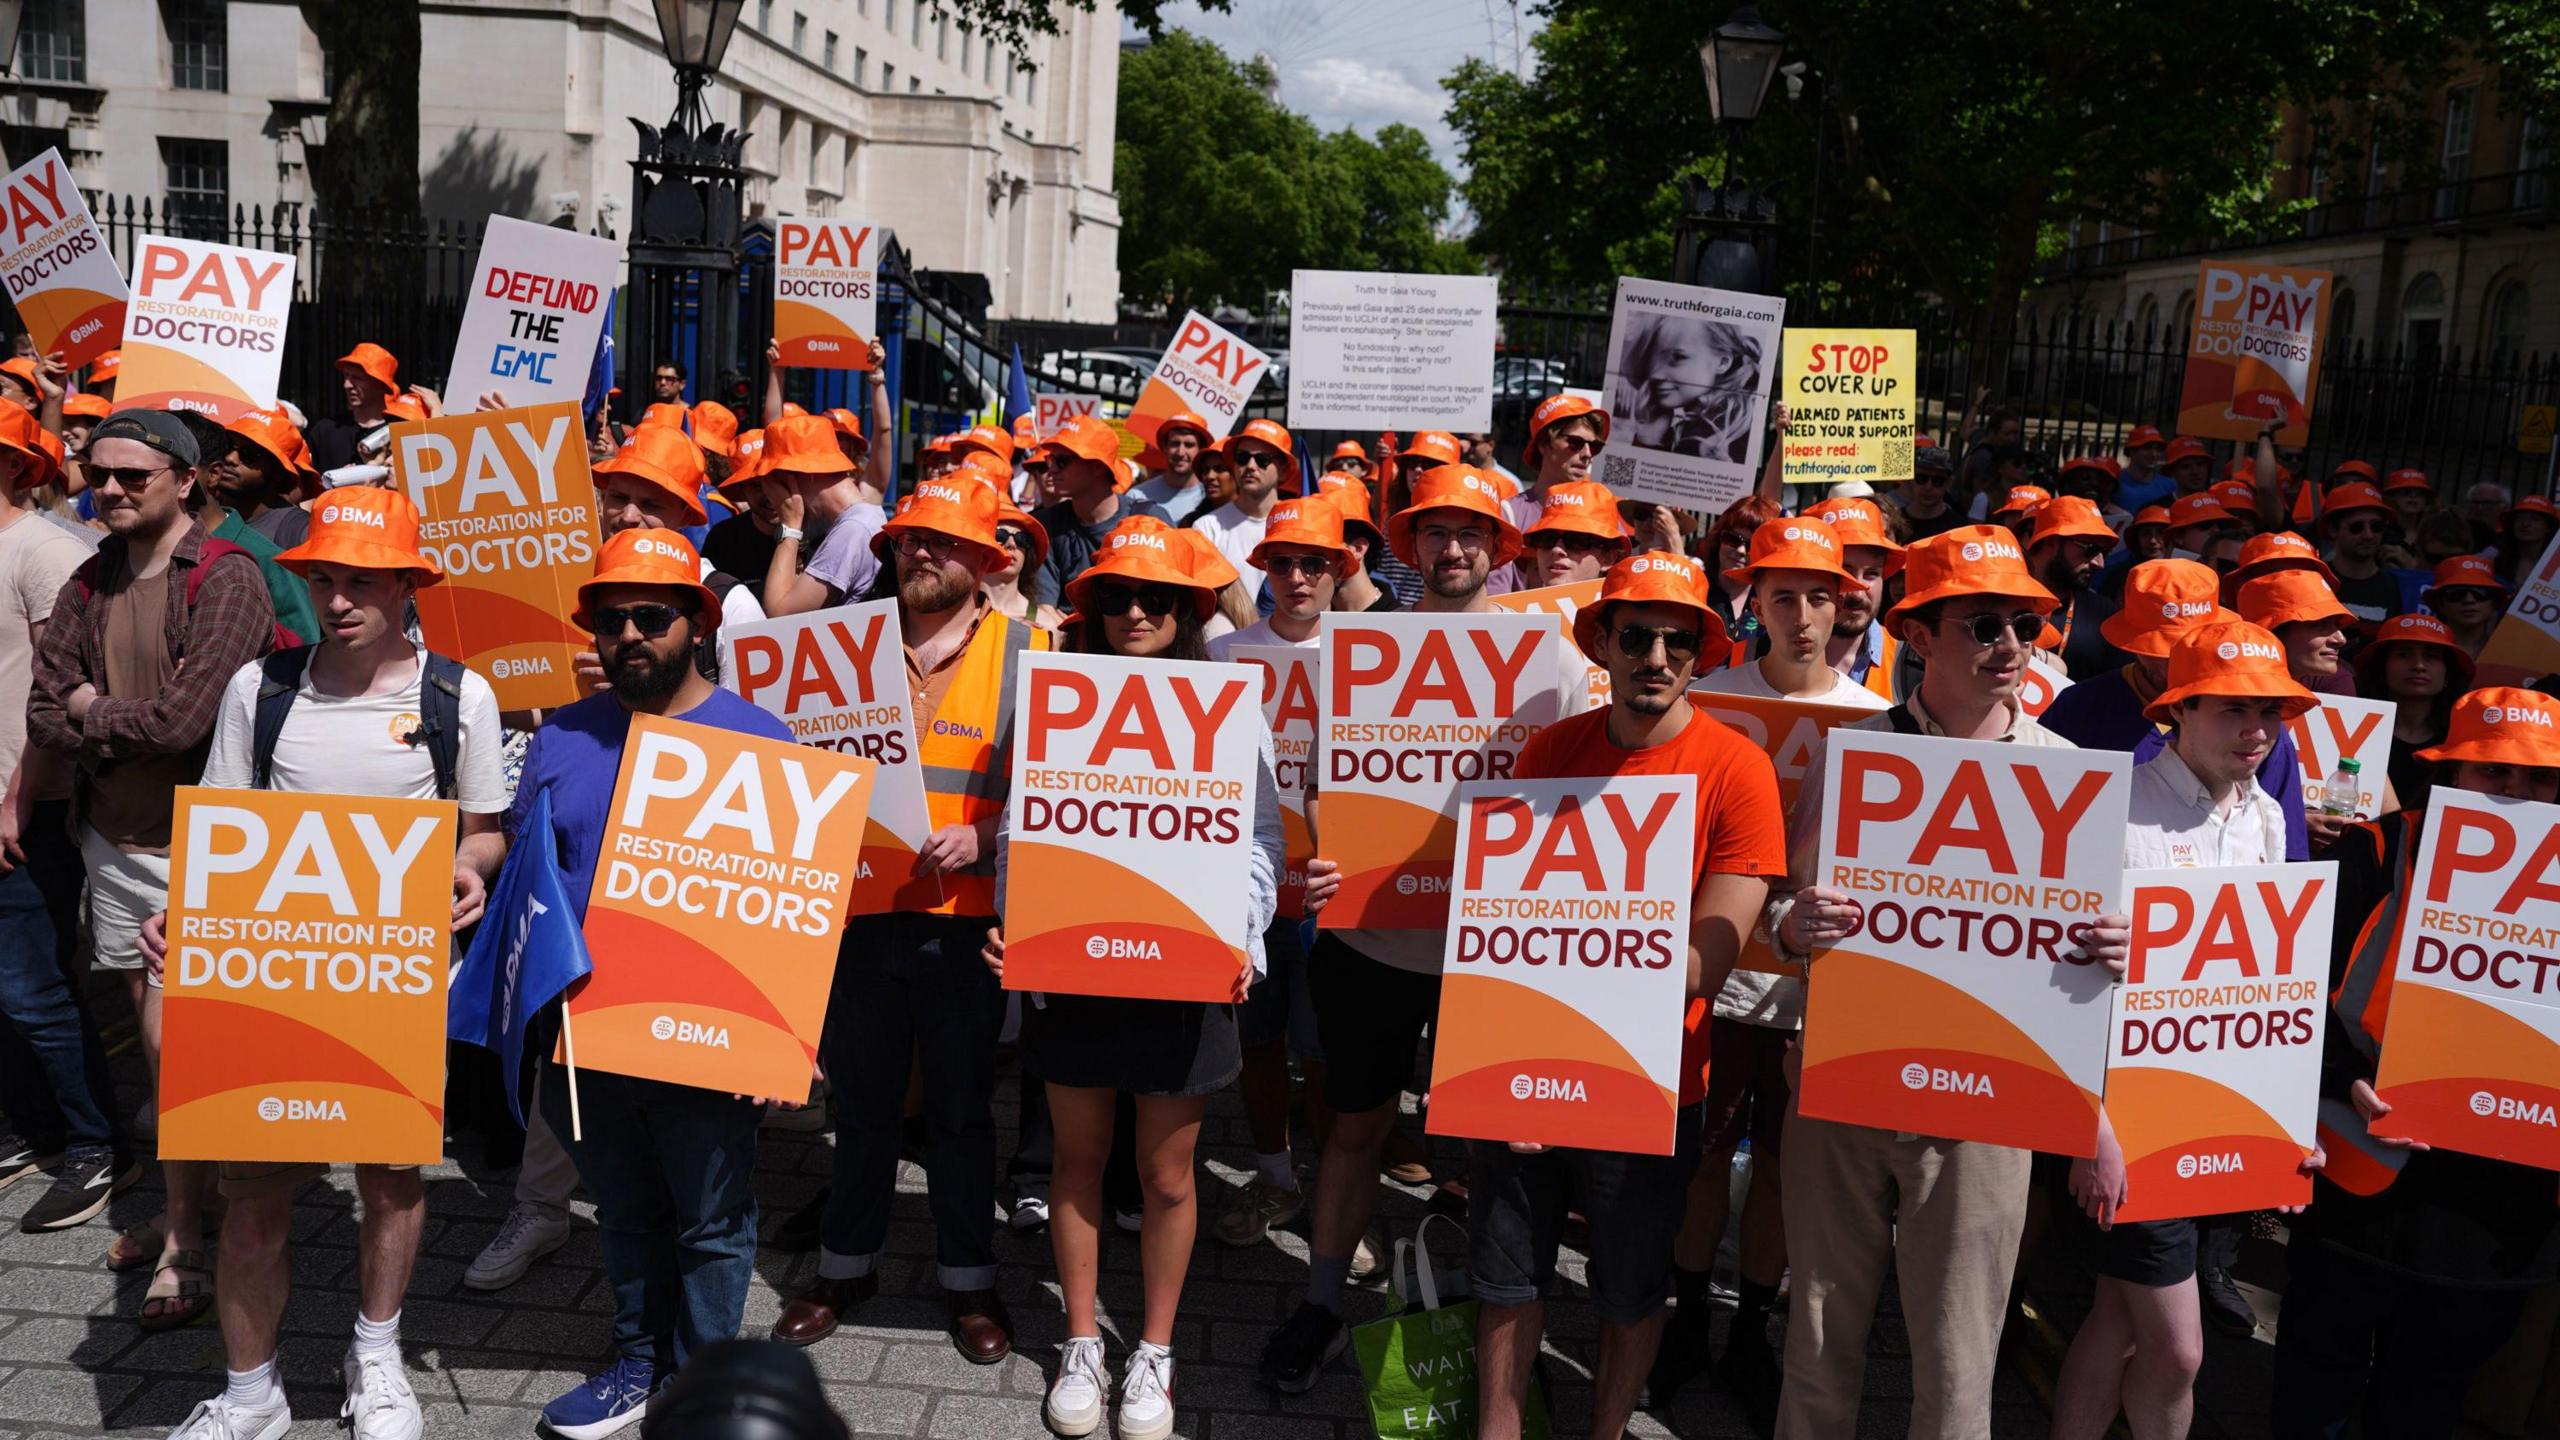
[1860,521]
[1350,494]
[2465,572]
[2360,469]
[87,407]
[1968,560]
[2501,725]
[2408,480]
[2201,508]
[1026,433]
[715,428]
[666,414]
[1185,420]
[1803,543]
[1431,449]
[650,557]
[2069,517]
[1207,563]
[2163,599]
[2410,629]
[270,431]
[746,460]
[405,407]
[368,357]
[2184,448]
[2238,497]
[2291,597]
[803,445]
[2228,657]
[22,432]
[2141,435]
[662,456]
[848,427]
[1310,520]
[1349,450]
[102,371]
[1584,507]
[1455,487]
[2354,495]
[2022,500]
[1656,577]
[367,527]
[22,370]
[1143,550]
[2533,505]
[1083,437]
[1557,409]
[993,439]
[2280,550]
[2148,515]
[1269,432]
[1035,535]
[963,507]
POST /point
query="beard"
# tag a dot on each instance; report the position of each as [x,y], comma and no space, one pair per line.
[930,592]
[1648,703]
[641,679]
[1454,584]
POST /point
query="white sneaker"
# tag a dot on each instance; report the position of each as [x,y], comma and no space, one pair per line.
[526,1236]
[1369,1257]
[1030,1206]
[1075,1397]
[1131,1221]
[219,1419]
[380,1405]
[1146,1395]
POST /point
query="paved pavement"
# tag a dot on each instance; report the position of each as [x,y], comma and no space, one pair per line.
[73,1363]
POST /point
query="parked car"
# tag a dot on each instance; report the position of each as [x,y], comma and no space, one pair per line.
[1112,374]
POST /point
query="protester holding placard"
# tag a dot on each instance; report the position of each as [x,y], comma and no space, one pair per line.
[1944,1214]
[364,712]
[809,468]
[2413,1265]
[1082,461]
[2196,803]
[668,1164]
[2413,662]
[129,698]
[1139,599]
[1650,628]
[907,984]
[1176,489]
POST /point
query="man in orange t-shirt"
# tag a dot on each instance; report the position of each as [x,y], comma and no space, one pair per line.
[1649,627]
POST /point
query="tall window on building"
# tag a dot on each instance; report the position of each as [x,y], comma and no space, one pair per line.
[54,43]
[915,24]
[195,186]
[2510,311]
[829,53]
[199,44]
[861,68]
[764,17]
[942,38]
[888,76]
[2461,114]
[799,34]
[889,18]
[2533,164]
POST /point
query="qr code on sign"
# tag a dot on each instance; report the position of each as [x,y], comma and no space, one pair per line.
[1617,471]
[1895,461]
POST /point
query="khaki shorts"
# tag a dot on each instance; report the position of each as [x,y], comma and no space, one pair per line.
[254,1179]
[124,891]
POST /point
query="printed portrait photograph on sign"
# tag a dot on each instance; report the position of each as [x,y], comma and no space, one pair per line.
[1688,386]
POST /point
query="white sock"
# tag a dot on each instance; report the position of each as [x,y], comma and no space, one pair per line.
[1276,1169]
[254,1389]
[376,1338]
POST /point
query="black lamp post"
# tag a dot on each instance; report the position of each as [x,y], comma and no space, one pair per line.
[1728,233]
[686,201]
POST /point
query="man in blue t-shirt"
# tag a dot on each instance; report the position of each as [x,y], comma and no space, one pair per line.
[668,1164]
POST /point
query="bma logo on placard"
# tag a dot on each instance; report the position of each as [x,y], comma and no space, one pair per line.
[2502,1107]
[1916,1076]
[1411,884]
[273,1108]
[1114,947]
[1543,1087]
[2191,1167]
[687,1032]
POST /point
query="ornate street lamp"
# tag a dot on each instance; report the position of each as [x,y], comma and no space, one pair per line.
[695,35]
[1727,236]
[687,189]
[1740,57]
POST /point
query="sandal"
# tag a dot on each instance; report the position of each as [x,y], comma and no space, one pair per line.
[136,1248]
[183,1301]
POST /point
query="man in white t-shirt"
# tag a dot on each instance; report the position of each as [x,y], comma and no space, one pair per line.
[1303,553]
[364,713]
[1796,577]
[1264,456]
[1177,488]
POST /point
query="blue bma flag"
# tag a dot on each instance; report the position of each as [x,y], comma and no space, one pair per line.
[527,950]
[1017,388]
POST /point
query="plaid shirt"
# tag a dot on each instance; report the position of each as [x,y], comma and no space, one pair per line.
[230,625]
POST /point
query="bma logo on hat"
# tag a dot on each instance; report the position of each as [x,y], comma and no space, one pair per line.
[1681,565]
[1564,500]
[2233,650]
[2516,715]
[353,515]
[1972,552]
[1152,540]
[935,491]
[649,544]
[1477,484]
[2185,610]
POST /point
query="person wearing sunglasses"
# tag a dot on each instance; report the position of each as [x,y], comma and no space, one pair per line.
[2358,522]
[2066,551]
[1025,547]
[1265,458]
[1176,488]
[2469,598]
[1142,598]
[668,1165]
[1923,499]
[1083,463]
[1574,538]
[1971,613]
[2415,664]
[1566,436]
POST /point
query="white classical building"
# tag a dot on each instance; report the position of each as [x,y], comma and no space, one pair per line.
[884,110]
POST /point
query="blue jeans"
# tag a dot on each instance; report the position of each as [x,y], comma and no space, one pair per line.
[53,1071]
[670,1167]
[909,984]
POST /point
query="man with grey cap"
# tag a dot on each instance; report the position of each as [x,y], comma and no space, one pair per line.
[129,676]
[1923,501]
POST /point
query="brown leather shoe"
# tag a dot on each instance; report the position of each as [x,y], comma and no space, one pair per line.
[980,1328]
[813,1314]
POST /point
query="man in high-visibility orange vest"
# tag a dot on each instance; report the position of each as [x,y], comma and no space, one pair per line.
[909,982]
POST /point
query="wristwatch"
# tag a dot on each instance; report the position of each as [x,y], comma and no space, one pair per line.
[787,532]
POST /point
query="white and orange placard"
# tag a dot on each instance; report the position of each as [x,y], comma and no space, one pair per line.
[826,291]
[1052,409]
[1787,731]
[507,510]
[1290,675]
[204,329]
[2213,1065]
[56,264]
[303,1018]
[2526,645]
[719,899]
[1563,602]
[2044,680]
[536,310]
[1130,826]
[1415,706]
[2471,1047]
[2343,727]
[1567,963]
[838,678]
[2253,350]
[1207,370]
[1965,1006]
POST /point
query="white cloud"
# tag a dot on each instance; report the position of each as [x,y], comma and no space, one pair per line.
[1338,90]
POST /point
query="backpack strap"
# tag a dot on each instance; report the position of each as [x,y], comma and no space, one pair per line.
[1904,722]
[440,721]
[279,678]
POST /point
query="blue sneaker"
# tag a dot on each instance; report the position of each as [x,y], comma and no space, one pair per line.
[610,1400]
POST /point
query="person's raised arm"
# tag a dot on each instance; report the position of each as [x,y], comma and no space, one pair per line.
[1773,470]
[880,458]
[2266,483]
[772,381]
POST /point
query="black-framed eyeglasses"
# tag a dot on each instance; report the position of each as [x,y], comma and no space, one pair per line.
[1574,444]
[651,620]
[1271,458]
[1986,630]
[1013,537]
[1156,600]
[2360,527]
[912,543]
[1678,642]
[1570,542]
[1927,477]
[127,477]
[1312,566]
[2466,595]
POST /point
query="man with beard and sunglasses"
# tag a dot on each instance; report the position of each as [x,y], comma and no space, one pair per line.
[908,983]
[1944,1215]
[668,1165]
[2358,522]
[2065,553]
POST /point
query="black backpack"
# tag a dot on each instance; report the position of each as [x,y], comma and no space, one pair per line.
[439,724]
